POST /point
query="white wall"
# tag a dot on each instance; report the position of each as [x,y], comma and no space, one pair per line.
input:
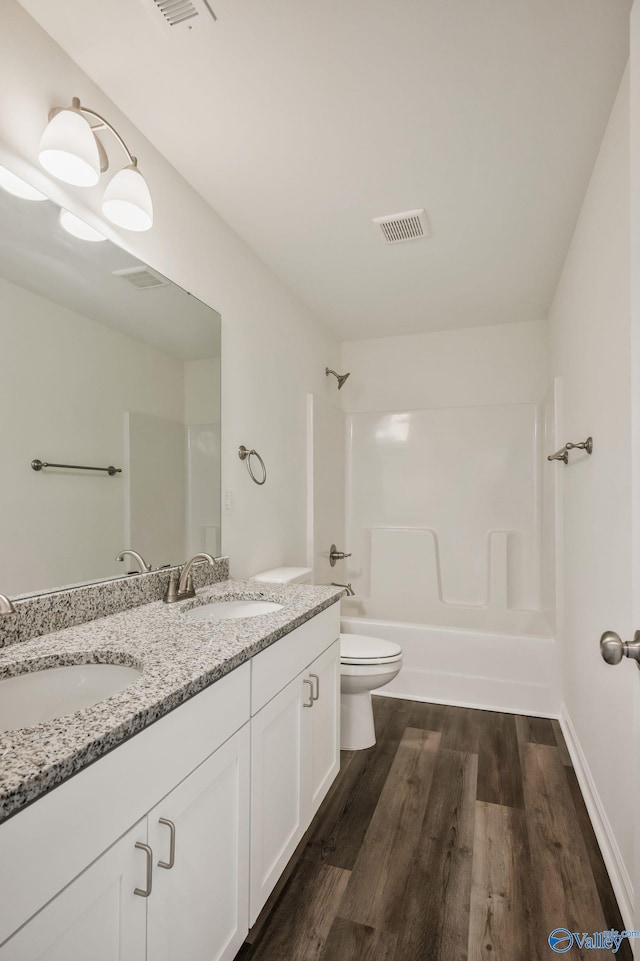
[60,527]
[590,328]
[503,364]
[202,415]
[202,391]
[634,156]
[156,480]
[326,480]
[274,351]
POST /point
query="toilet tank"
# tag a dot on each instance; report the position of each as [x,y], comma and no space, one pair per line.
[284,575]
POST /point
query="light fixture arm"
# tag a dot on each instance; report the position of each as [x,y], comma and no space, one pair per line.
[102,123]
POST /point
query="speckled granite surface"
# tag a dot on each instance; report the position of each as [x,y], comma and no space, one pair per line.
[178,658]
[43,613]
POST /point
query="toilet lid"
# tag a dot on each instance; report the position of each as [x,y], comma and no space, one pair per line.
[356,649]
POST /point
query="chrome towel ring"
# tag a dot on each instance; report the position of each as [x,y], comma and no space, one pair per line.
[245,454]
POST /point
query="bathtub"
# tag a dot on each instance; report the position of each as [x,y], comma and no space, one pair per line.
[509,664]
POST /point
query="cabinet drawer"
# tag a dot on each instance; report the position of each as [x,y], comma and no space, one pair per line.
[274,668]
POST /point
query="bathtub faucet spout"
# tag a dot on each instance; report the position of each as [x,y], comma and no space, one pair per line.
[348,588]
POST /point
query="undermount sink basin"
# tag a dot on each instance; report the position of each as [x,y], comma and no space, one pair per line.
[230,610]
[39,696]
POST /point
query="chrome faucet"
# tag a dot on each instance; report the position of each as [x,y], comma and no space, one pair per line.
[144,567]
[348,588]
[6,607]
[181,589]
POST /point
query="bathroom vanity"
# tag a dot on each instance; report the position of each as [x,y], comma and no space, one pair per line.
[191,788]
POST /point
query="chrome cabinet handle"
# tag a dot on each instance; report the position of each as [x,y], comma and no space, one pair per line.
[317,680]
[613,648]
[172,844]
[141,891]
[311,698]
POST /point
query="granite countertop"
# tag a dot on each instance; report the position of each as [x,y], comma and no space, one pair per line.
[178,658]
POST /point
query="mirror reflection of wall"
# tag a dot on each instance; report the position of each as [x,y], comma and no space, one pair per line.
[103,362]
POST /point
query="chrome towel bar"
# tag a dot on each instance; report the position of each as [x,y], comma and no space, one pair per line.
[563,453]
[39,464]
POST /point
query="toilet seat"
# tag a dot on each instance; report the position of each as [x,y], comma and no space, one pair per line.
[358,649]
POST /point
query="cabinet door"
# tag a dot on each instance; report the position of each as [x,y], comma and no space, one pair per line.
[198,910]
[96,917]
[322,727]
[278,771]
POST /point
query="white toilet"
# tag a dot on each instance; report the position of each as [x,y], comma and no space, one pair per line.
[366,663]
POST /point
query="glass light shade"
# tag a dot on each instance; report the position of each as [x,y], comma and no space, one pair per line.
[127,201]
[18,187]
[69,149]
[78,228]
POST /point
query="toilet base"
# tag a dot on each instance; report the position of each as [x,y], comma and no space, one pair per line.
[357,730]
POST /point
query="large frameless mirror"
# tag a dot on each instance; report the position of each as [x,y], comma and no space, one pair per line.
[105,364]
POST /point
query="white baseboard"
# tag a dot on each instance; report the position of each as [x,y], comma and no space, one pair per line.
[618,873]
[464,689]
[474,705]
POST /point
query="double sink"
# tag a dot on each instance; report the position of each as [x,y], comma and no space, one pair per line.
[43,695]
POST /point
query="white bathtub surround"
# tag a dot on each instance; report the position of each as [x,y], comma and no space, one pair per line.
[443,509]
[448,512]
[444,456]
[471,666]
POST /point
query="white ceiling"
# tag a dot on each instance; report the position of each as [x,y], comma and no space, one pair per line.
[299,122]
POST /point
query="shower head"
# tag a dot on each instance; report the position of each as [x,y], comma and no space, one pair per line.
[341,378]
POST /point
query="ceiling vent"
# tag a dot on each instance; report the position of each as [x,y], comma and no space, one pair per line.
[411,225]
[180,16]
[142,278]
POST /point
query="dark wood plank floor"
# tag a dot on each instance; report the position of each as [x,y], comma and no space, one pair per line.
[461,836]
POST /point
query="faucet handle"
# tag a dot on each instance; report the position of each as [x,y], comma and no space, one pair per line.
[171,594]
[336,555]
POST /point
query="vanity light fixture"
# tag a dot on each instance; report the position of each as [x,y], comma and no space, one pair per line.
[71,151]
[79,228]
[18,187]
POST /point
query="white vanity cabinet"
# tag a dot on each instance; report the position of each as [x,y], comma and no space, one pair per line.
[323,727]
[199,904]
[190,768]
[97,917]
[198,813]
[295,750]
[175,886]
